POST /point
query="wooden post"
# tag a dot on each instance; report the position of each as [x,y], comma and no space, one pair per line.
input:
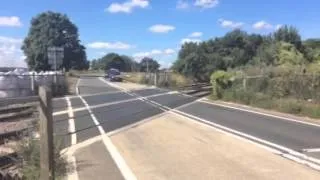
[155,78]
[244,82]
[46,134]
[33,83]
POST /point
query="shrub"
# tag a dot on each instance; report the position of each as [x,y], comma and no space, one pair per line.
[220,81]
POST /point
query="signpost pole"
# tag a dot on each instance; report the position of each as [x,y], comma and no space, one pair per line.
[55,55]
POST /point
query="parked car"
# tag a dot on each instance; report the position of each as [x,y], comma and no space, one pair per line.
[113,75]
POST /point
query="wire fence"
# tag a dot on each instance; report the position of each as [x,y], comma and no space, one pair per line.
[162,79]
[296,86]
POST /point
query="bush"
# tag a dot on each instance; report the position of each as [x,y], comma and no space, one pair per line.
[220,81]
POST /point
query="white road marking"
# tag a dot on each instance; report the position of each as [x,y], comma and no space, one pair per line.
[260,113]
[304,158]
[108,104]
[272,147]
[311,150]
[73,175]
[71,123]
[118,159]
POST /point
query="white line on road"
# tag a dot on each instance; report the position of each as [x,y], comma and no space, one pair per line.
[71,123]
[108,104]
[289,153]
[260,113]
[311,150]
[73,175]
[118,159]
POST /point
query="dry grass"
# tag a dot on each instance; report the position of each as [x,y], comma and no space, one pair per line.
[134,77]
[174,80]
[71,82]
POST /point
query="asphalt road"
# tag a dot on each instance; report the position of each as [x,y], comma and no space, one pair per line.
[292,135]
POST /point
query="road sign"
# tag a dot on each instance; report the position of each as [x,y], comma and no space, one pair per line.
[55,56]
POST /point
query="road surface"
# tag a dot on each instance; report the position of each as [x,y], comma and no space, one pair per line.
[115,108]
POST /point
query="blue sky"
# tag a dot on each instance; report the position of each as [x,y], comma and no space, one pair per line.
[153,27]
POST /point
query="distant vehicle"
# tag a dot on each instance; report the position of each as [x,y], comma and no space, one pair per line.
[113,75]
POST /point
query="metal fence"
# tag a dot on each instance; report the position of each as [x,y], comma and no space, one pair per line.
[13,85]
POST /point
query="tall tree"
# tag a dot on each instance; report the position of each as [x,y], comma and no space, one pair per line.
[53,29]
[149,64]
[290,35]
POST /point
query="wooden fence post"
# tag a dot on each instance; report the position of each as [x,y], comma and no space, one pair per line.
[155,78]
[244,82]
[46,134]
[33,84]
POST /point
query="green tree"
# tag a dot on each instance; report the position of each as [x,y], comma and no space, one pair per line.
[288,54]
[312,49]
[53,29]
[149,64]
[290,35]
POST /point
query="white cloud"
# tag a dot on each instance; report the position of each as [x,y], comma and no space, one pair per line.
[262,25]
[153,53]
[206,3]
[230,24]
[127,6]
[278,26]
[169,51]
[196,34]
[188,40]
[161,28]
[10,53]
[164,64]
[181,4]
[109,45]
[12,21]
[156,52]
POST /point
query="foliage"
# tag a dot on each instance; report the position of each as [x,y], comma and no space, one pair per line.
[220,81]
[265,101]
[288,54]
[238,49]
[149,65]
[114,60]
[290,35]
[53,29]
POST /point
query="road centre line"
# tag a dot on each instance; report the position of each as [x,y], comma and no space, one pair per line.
[275,148]
[111,148]
[260,113]
[311,150]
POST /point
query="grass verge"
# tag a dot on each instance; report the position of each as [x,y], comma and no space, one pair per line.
[260,100]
